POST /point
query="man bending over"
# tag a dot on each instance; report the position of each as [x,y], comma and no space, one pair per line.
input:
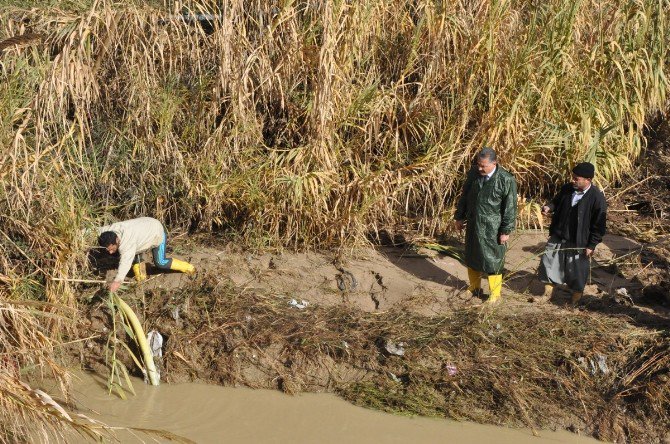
[133,237]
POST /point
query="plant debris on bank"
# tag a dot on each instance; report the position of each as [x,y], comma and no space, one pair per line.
[588,374]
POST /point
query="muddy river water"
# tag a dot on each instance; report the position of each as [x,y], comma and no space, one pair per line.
[212,414]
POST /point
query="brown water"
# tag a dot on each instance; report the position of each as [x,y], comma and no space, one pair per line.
[213,414]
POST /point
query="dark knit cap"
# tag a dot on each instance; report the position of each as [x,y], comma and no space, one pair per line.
[584,169]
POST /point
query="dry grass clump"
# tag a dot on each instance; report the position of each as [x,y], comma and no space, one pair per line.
[305,123]
[531,369]
[28,414]
[315,122]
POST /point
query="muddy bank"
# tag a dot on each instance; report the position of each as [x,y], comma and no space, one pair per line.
[392,329]
[416,278]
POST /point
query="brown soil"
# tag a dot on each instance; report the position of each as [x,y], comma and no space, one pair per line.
[233,324]
[426,282]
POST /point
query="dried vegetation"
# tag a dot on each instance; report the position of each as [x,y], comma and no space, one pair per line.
[580,371]
[295,123]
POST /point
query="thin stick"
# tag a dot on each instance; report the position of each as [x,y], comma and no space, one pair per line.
[83,281]
[632,186]
[24,253]
[98,281]
[78,340]
[229,324]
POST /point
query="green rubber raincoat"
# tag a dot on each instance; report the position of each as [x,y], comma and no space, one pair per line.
[489,207]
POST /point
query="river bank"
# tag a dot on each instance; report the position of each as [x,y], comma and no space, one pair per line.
[392,329]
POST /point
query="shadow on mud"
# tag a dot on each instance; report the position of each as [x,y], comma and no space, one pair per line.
[640,305]
[403,254]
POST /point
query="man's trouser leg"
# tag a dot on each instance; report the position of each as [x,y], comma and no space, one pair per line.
[552,265]
[495,286]
[139,268]
[166,263]
[475,278]
[577,267]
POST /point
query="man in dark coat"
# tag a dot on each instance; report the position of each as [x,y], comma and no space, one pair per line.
[487,210]
[577,226]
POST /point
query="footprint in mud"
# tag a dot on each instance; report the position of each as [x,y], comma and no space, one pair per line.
[380,280]
[373,294]
[345,280]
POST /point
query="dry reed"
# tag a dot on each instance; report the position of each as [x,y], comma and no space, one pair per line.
[301,123]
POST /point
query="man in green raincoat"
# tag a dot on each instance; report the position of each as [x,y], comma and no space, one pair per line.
[487,210]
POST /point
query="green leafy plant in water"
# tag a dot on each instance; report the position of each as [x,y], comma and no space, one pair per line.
[119,378]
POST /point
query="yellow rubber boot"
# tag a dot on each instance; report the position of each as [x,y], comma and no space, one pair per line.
[475,278]
[182,266]
[495,285]
[140,271]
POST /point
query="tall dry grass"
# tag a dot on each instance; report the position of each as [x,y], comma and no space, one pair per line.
[315,121]
[302,123]
[28,414]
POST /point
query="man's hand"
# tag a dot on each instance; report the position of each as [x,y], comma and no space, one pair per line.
[545,209]
[113,286]
[503,238]
[589,252]
[460,225]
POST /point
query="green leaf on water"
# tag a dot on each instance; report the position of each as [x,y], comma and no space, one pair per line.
[126,376]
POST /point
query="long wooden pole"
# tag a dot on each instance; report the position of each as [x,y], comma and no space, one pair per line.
[83,281]
[99,281]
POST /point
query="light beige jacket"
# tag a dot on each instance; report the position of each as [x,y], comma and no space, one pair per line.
[136,235]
